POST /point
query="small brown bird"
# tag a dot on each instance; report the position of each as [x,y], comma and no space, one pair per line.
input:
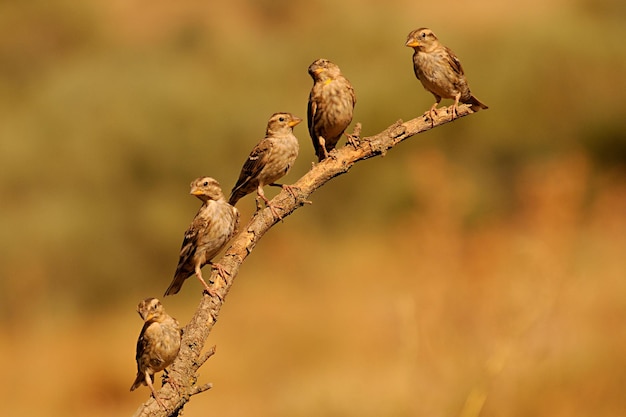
[158,344]
[269,161]
[440,71]
[214,225]
[331,104]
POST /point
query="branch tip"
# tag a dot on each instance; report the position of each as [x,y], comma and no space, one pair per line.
[206,355]
[200,389]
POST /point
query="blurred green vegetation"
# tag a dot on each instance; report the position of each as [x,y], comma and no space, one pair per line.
[108,110]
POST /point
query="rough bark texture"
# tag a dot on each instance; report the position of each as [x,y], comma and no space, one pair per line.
[183,372]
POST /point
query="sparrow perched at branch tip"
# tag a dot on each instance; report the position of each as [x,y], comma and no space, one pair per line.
[440,71]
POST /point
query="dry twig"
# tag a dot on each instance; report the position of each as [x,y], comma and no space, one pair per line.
[183,371]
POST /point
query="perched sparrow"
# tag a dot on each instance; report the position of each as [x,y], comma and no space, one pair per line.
[213,226]
[270,159]
[331,104]
[440,71]
[158,344]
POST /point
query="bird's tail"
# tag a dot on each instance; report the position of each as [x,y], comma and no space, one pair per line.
[320,154]
[476,104]
[235,195]
[175,286]
[139,381]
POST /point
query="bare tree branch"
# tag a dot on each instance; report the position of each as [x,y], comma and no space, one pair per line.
[182,375]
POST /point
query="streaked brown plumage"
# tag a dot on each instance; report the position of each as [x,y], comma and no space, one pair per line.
[331,105]
[440,71]
[270,159]
[158,343]
[214,225]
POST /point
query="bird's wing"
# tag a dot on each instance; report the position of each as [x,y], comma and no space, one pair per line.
[186,265]
[254,164]
[311,117]
[415,66]
[454,62]
[352,94]
[143,346]
[146,355]
[190,242]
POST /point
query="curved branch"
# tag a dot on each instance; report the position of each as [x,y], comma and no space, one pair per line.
[182,375]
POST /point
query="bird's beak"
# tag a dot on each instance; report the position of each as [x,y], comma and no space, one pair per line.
[295,121]
[412,43]
[318,70]
[195,191]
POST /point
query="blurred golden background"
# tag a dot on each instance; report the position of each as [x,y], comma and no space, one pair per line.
[477,269]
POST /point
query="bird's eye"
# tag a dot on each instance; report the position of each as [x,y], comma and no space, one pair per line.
[423,34]
[205,183]
[281,119]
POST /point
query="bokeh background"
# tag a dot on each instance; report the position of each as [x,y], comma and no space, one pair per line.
[476,269]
